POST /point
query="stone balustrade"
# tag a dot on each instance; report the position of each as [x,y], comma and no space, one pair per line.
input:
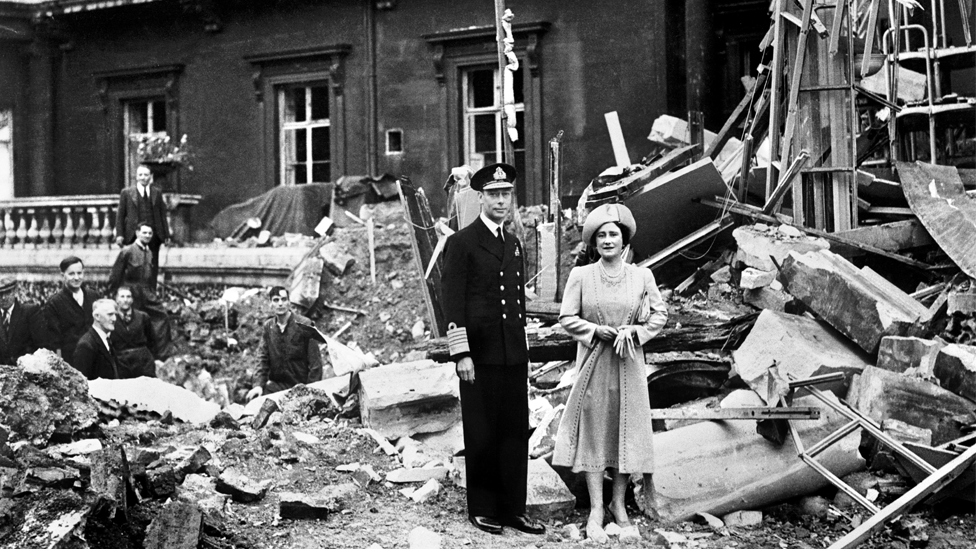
[79,221]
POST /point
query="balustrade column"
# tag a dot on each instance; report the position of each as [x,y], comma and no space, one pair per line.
[22,230]
[32,231]
[44,235]
[69,228]
[57,233]
[95,233]
[107,229]
[3,229]
[8,226]
[81,230]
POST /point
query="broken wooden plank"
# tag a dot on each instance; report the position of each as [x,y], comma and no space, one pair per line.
[937,196]
[785,182]
[688,337]
[788,342]
[892,237]
[423,239]
[859,303]
[961,487]
[696,237]
[880,394]
[754,213]
[938,480]
[756,413]
[634,182]
[740,113]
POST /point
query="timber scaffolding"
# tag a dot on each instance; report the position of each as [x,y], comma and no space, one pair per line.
[856,143]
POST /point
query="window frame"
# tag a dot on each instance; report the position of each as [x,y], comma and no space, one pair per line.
[468,114]
[458,50]
[308,125]
[9,190]
[278,70]
[116,89]
[129,159]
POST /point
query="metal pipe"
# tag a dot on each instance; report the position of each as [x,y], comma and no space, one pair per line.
[372,98]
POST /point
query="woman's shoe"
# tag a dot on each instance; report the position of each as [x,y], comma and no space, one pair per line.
[596,533]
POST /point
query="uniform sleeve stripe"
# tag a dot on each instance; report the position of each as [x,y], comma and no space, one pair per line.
[457,341]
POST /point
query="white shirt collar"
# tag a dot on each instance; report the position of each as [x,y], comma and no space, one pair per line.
[142,190]
[10,310]
[102,335]
[79,296]
[492,226]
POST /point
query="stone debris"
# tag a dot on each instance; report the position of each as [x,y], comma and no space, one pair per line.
[430,489]
[743,519]
[320,505]
[241,488]
[420,474]
[403,399]
[178,526]
[422,538]
[268,407]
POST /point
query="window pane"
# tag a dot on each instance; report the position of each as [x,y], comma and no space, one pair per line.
[294,105]
[520,126]
[484,134]
[301,150]
[301,174]
[518,84]
[320,144]
[158,116]
[139,117]
[321,172]
[320,103]
[481,88]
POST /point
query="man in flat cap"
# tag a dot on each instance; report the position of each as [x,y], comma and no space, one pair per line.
[22,329]
[69,312]
[288,353]
[483,291]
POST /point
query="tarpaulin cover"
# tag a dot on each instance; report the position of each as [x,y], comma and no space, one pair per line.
[287,209]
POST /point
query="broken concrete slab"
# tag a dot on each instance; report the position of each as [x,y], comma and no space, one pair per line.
[178,525]
[955,368]
[743,519]
[798,346]
[547,496]
[422,474]
[404,399]
[154,395]
[241,488]
[937,196]
[752,278]
[44,395]
[268,407]
[891,237]
[912,356]
[767,298]
[674,132]
[962,302]
[188,459]
[77,448]
[430,489]
[330,387]
[53,520]
[880,395]
[859,303]
[110,478]
[319,505]
[720,467]
[202,490]
[764,248]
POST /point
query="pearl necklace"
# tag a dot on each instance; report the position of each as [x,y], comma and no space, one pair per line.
[610,279]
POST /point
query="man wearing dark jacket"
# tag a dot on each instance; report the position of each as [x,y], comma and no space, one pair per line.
[94,356]
[22,329]
[133,338]
[483,292]
[68,313]
[142,203]
[288,353]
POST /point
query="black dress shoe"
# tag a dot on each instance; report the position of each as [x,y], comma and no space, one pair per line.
[525,524]
[487,524]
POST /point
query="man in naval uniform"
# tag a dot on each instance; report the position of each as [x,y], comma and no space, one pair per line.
[483,291]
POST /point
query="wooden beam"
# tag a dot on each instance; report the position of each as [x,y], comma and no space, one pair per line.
[785,182]
[775,104]
[667,254]
[752,212]
[869,33]
[798,62]
[935,482]
[756,413]
[741,111]
[835,28]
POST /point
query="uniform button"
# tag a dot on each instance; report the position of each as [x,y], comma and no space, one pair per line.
[518,273]
[519,301]
[520,315]
[504,316]
[503,302]
[519,287]
[501,273]
[503,287]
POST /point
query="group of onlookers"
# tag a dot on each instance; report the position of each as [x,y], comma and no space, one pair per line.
[116,337]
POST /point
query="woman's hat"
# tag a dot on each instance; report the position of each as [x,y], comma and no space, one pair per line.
[608,213]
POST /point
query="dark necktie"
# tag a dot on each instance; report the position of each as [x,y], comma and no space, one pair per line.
[498,233]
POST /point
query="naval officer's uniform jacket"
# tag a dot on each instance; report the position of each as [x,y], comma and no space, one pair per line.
[483,295]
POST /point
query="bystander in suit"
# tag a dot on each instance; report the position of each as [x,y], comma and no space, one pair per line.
[142,203]
[133,338]
[22,329]
[68,313]
[94,356]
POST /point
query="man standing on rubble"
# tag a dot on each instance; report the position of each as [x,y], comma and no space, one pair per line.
[485,313]
[69,312]
[288,353]
[142,203]
[94,356]
[21,325]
